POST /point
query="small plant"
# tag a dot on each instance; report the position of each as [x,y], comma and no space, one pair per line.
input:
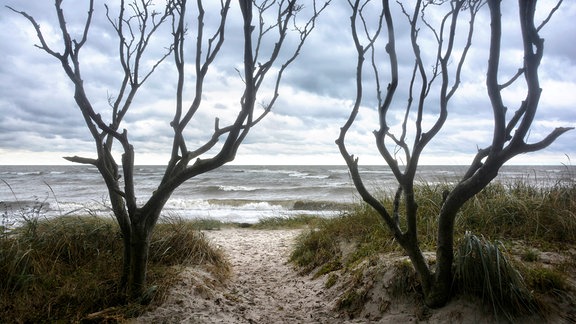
[353,299]
[360,229]
[404,281]
[329,267]
[483,270]
[530,255]
[545,280]
[331,281]
[312,250]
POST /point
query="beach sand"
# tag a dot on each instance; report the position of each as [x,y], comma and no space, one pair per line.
[264,288]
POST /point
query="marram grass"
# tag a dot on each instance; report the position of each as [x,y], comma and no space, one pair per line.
[483,269]
[64,268]
[540,217]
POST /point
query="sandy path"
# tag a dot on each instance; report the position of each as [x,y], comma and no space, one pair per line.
[263,287]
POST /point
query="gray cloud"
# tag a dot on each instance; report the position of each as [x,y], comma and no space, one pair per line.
[38,113]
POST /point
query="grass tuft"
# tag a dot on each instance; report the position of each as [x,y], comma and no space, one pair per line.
[546,280]
[483,270]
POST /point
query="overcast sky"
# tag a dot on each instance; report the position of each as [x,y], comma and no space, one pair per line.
[39,122]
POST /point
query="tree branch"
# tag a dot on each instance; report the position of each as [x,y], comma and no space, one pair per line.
[81,160]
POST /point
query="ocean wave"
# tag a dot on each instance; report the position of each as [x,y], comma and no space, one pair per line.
[233,191]
[27,173]
[307,175]
[290,173]
[266,170]
[236,188]
[215,189]
[320,205]
[376,172]
[254,204]
[201,204]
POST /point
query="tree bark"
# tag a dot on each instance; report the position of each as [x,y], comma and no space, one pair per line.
[139,249]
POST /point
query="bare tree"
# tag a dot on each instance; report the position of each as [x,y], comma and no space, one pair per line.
[429,93]
[264,23]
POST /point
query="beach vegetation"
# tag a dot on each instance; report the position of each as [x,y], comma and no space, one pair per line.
[151,35]
[500,264]
[66,269]
[408,124]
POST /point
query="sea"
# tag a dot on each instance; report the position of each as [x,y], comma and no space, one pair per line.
[232,193]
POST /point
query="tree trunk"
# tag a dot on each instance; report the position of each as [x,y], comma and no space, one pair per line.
[139,247]
[126,261]
[125,230]
[439,292]
[420,265]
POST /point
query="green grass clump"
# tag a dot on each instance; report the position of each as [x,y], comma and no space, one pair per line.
[545,280]
[530,255]
[64,268]
[355,295]
[405,280]
[176,241]
[482,269]
[313,250]
[352,301]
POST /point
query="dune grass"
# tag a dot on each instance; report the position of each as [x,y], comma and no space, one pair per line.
[483,269]
[539,217]
[65,268]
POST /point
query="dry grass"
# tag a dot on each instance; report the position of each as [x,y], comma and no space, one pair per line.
[543,218]
[65,268]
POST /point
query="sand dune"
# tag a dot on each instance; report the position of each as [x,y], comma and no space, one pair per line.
[264,288]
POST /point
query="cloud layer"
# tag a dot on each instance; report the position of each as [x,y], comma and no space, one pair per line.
[39,122]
